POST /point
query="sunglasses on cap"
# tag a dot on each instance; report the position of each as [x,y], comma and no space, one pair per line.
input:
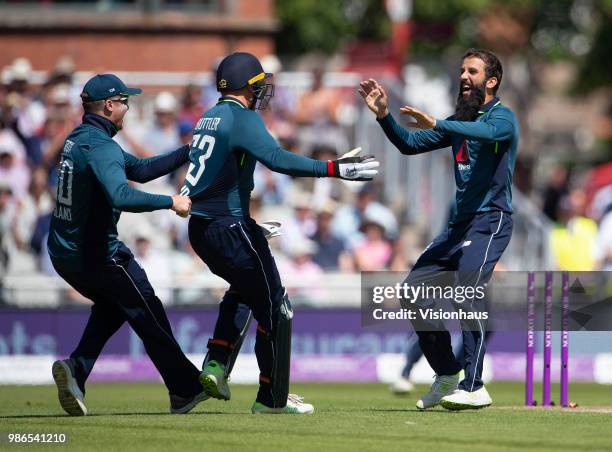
[124,100]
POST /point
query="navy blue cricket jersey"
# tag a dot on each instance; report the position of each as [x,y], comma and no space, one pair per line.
[228,140]
[93,190]
[484,153]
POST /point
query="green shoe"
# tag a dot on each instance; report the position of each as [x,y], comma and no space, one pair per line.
[295,405]
[214,381]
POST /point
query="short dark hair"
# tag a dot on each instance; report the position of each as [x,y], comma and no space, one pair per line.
[493,67]
[94,106]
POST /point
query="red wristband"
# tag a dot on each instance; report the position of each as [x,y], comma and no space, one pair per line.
[330,168]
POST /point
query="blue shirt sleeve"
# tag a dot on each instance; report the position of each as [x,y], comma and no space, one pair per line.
[251,136]
[498,126]
[145,170]
[411,143]
[108,164]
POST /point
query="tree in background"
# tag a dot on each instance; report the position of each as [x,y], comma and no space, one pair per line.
[596,67]
[553,29]
[324,26]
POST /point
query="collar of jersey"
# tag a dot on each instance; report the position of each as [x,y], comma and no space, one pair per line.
[101,123]
[231,100]
[489,105]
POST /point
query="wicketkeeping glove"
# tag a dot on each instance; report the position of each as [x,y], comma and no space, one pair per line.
[351,166]
[271,229]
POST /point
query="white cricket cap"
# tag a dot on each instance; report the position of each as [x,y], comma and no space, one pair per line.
[21,69]
[165,102]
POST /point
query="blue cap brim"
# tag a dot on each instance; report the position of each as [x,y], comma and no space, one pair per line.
[131,92]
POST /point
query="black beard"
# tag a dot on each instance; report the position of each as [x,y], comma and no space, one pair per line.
[467,106]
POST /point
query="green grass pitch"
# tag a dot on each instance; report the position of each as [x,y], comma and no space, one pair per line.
[348,417]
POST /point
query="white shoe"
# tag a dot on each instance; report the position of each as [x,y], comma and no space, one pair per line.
[68,391]
[442,386]
[401,386]
[295,405]
[464,400]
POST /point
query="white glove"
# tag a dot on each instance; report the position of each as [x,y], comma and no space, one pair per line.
[352,153]
[271,229]
[353,167]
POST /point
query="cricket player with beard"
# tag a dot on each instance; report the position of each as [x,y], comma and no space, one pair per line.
[483,136]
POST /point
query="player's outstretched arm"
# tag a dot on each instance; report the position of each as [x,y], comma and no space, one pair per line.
[145,170]
[498,127]
[409,143]
[253,138]
[108,165]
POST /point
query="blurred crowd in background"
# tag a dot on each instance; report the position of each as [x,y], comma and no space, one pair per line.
[329,226]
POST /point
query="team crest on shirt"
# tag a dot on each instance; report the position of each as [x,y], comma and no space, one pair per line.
[462,157]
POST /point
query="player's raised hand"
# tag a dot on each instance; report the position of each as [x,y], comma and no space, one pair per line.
[181,205]
[421,120]
[375,97]
[352,166]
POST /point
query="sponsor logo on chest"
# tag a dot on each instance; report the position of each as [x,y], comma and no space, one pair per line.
[462,157]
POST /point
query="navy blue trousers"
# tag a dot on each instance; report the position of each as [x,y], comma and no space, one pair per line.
[466,253]
[236,249]
[121,292]
[414,353]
